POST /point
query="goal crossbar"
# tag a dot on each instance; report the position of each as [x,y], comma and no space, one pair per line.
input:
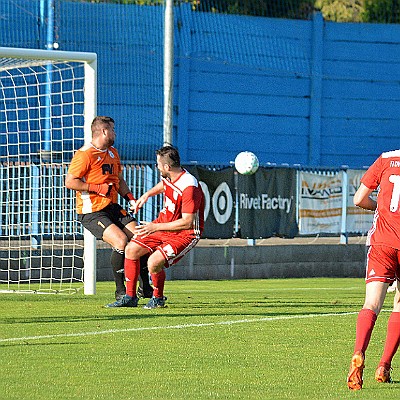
[15,53]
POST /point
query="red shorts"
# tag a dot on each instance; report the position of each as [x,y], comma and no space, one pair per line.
[383,264]
[172,245]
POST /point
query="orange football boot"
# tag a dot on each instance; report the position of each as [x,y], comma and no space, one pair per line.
[355,376]
[382,374]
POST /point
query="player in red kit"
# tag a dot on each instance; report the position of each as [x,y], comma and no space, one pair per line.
[173,234]
[383,264]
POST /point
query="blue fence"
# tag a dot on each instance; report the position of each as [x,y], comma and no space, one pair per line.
[36,206]
[305,92]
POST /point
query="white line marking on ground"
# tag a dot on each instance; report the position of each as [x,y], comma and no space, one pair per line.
[184,326]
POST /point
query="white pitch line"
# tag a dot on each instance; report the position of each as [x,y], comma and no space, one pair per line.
[184,326]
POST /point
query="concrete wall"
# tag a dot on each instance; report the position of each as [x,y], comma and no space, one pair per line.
[246,262]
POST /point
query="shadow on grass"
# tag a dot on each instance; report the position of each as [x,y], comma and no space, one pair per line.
[170,313]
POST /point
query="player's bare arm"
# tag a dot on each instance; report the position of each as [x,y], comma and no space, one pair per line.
[123,186]
[125,192]
[146,228]
[74,183]
[362,198]
[154,191]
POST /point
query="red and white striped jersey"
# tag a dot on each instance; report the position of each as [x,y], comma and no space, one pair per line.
[184,195]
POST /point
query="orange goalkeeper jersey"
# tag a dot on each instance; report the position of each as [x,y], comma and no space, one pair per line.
[95,166]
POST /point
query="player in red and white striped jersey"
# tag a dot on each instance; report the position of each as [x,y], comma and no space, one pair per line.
[171,235]
[383,264]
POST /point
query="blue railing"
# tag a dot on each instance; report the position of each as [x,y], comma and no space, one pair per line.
[34,203]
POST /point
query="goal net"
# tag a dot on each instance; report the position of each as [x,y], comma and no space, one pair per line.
[47,102]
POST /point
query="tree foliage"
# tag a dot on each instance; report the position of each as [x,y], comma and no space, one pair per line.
[341,10]
[380,11]
[301,9]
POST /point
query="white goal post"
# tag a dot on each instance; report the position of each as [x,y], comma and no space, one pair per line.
[47,103]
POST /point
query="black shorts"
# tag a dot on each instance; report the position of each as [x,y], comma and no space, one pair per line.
[98,221]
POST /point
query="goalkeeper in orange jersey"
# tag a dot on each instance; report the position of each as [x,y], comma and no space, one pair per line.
[95,173]
[383,265]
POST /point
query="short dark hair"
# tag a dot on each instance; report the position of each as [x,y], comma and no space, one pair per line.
[171,154]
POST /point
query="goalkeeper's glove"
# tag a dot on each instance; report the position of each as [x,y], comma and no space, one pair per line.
[103,189]
[131,200]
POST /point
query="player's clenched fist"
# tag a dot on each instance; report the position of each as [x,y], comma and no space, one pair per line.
[103,189]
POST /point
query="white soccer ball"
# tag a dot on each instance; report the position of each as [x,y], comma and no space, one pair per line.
[246,163]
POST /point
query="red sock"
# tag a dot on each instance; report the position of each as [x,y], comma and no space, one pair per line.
[132,271]
[392,340]
[158,283]
[365,324]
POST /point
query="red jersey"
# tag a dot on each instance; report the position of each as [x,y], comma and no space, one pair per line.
[184,195]
[96,166]
[385,173]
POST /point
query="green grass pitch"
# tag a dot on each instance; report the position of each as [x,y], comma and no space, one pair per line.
[243,339]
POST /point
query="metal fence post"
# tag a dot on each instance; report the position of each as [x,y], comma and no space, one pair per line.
[345,191]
